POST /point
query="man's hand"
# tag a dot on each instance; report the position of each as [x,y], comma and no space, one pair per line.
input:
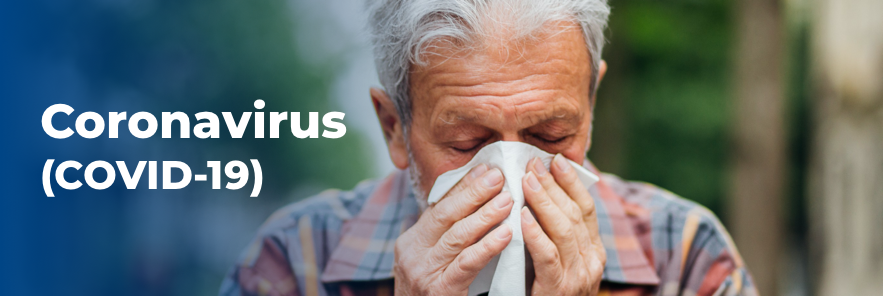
[439,254]
[565,246]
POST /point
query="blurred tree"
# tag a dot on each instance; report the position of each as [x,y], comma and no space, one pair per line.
[661,115]
[758,155]
[846,171]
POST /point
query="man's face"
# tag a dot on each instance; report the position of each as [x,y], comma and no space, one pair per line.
[536,92]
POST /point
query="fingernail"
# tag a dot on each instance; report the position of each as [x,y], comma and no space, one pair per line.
[493,178]
[478,171]
[561,162]
[539,167]
[503,232]
[526,216]
[532,182]
[503,199]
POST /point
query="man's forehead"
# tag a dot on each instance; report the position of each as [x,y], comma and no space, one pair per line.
[497,56]
[513,85]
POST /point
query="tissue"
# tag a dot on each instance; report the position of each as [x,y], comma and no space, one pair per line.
[504,275]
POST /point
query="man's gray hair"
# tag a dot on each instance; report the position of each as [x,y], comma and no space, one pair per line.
[401,29]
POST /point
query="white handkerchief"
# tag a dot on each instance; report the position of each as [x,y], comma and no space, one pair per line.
[505,274]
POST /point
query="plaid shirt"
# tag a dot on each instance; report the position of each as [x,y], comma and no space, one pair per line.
[341,243]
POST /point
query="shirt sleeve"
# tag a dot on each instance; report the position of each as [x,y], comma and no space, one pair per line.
[268,265]
[263,270]
[712,265]
[738,283]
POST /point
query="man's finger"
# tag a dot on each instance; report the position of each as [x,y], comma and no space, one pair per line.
[464,183]
[468,263]
[457,204]
[566,177]
[557,226]
[545,256]
[570,183]
[466,232]
[567,205]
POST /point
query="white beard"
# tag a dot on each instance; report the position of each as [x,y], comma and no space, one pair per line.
[414,175]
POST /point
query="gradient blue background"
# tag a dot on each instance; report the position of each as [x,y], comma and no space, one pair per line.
[153,56]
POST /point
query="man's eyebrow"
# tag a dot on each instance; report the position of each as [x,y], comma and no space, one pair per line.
[565,115]
[452,117]
[562,115]
[559,114]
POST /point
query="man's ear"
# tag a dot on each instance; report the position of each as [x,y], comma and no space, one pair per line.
[602,69]
[391,125]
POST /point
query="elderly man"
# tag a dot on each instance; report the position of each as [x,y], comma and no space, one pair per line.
[460,75]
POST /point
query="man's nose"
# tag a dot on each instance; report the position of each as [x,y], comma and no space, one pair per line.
[512,137]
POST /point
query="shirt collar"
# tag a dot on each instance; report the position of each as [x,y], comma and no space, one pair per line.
[366,249]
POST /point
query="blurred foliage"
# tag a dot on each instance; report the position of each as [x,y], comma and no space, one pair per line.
[662,110]
[218,56]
